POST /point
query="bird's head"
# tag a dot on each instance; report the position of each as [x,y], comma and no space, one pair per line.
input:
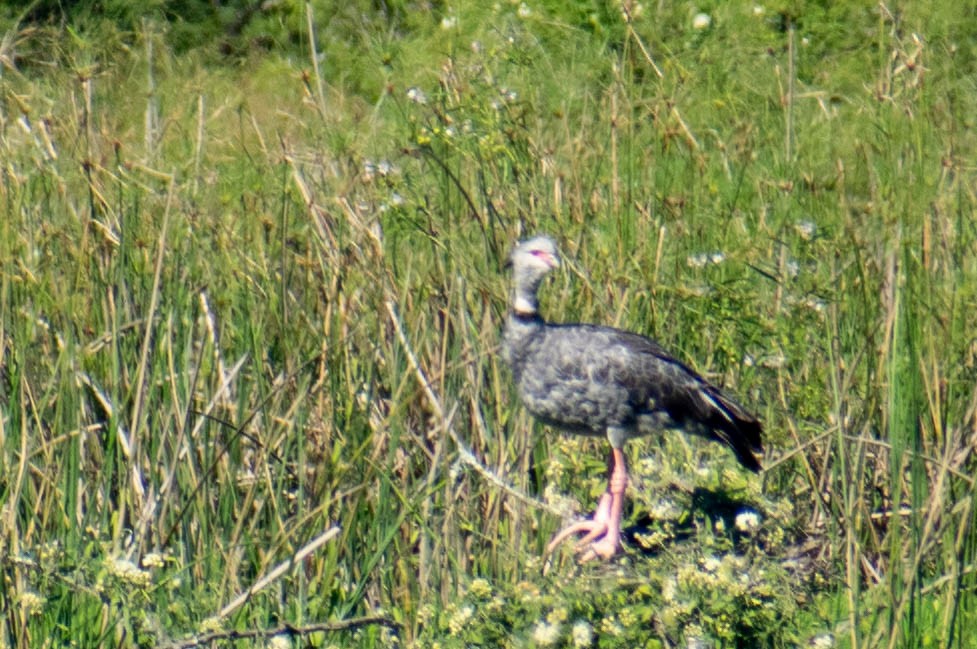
[536,256]
[531,260]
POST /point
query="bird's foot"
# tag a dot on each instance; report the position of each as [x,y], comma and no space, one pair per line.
[601,534]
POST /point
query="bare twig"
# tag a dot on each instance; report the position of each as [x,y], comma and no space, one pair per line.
[279,570]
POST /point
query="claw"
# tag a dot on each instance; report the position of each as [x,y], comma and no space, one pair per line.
[602,532]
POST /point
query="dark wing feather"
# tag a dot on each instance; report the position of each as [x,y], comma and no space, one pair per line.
[587,378]
[656,381]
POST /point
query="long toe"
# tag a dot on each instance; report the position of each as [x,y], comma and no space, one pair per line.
[605,548]
[591,529]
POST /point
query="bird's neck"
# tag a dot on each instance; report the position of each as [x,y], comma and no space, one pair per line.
[524,300]
[525,305]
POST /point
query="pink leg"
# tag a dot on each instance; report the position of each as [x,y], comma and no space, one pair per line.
[602,532]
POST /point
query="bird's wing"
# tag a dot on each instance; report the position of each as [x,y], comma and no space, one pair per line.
[656,382]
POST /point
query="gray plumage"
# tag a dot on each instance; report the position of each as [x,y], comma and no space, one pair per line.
[596,380]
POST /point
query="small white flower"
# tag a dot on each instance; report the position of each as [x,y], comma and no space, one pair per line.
[814,304]
[127,571]
[152,560]
[611,627]
[807,229]
[822,641]
[701,21]
[279,642]
[461,617]
[697,261]
[449,22]
[480,588]
[747,520]
[758,10]
[524,11]
[416,95]
[582,634]
[546,634]
[210,624]
[32,603]
[717,257]
[711,564]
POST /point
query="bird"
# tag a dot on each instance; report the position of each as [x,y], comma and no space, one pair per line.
[597,380]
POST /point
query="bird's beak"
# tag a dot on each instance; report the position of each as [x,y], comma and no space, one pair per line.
[550,260]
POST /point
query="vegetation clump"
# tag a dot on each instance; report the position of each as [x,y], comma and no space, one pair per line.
[251,288]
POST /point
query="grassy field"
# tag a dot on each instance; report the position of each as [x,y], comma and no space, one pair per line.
[250,311]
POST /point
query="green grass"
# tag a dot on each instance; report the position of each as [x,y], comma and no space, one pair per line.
[248,306]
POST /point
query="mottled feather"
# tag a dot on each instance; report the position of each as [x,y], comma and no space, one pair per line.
[596,380]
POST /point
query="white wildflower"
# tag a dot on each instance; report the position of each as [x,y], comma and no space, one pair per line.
[611,627]
[557,616]
[449,22]
[701,21]
[711,564]
[747,520]
[582,634]
[416,95]
[152,560]
[758,10]
[807,229]
[127,571]
[814,304]
[697,261]
[717,257]
[279,641]
[32,603]
[546,634]
[524,11]
[460,619]
[822,641]
[480,588]
[210,624]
